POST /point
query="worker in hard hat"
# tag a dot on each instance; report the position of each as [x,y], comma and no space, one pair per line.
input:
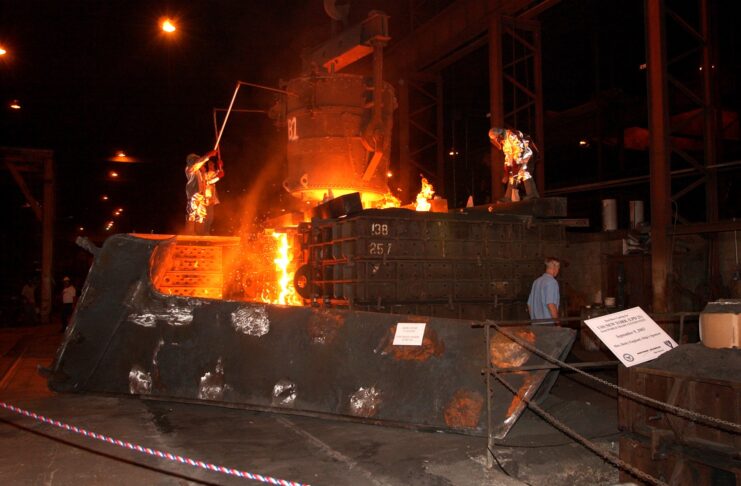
[517,153]
[196,189]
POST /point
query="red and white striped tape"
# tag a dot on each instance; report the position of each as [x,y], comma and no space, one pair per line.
[152,452]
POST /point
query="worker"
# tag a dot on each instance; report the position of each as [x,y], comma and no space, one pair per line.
[69,298]
[545,297]
[517,153]
[28,300]
[214,173]
[195,192]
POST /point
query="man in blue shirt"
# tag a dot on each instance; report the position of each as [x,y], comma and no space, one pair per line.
[544,295]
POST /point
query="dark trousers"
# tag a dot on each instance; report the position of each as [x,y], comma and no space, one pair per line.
[67,310]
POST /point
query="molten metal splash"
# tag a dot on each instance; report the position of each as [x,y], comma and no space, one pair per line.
[287,294]
[424,196]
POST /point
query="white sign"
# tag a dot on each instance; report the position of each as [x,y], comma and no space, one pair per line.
[409,333]
[631,335]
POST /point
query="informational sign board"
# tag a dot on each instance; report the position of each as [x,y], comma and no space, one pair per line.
[631,335]
[409,333]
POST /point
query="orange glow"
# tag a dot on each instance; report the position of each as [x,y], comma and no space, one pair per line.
[103,197]
[511,147]
[120,153]
[389,174]
[15,104]
[168,26]
[113,174]
[3,51]
[424,196]
[287,295]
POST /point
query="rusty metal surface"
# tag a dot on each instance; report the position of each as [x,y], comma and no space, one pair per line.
[127,338]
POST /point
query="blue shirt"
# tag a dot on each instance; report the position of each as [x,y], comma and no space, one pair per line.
[543,292]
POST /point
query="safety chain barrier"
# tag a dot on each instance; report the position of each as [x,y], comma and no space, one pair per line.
[608,456]
[152,452]
[682,412]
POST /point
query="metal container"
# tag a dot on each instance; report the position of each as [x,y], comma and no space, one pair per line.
[327,117]
[126,337]
[396,257]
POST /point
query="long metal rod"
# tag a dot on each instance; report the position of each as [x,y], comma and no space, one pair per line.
[489,438]
[594,186]
[234,96]
[586,365]
[47,239]
[228,111]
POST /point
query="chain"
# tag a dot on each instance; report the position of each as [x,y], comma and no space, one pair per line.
[581,439]
[682,412]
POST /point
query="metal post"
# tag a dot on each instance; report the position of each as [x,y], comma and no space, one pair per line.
[496,103]
[489,440]
[711,136]
[659,156]
[539,134]
[405,169]
[440,113]
[47,242]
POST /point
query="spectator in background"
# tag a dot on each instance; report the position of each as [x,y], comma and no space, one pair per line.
[544,296]
[28,300]
[69,298]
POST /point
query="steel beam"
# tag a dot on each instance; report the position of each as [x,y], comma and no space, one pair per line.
[405,167]
[47,240]
[711,135]
[440,126]
[496,103]
[658,151]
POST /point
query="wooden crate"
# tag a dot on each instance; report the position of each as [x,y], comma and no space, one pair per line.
[692,377]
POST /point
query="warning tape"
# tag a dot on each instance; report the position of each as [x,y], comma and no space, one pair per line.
[152,452]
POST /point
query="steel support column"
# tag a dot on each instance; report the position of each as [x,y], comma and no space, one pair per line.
[658,151]
[496,102]
[47,240]
[539,135]
[440,123]
[405,167]
[711,135]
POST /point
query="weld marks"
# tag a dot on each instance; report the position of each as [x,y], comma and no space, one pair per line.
[212,385]
[252,321]
[365,402]
[140,381]
[172,315]
[284,393]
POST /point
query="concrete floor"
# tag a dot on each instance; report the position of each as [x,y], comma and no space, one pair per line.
[294,448]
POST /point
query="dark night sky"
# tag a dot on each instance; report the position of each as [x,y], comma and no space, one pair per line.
[94,77]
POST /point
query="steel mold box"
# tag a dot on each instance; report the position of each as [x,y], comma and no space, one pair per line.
[127,338]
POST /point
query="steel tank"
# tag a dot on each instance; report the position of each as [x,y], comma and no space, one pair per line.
[328,143]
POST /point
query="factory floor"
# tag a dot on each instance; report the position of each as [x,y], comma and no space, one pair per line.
[295,448]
